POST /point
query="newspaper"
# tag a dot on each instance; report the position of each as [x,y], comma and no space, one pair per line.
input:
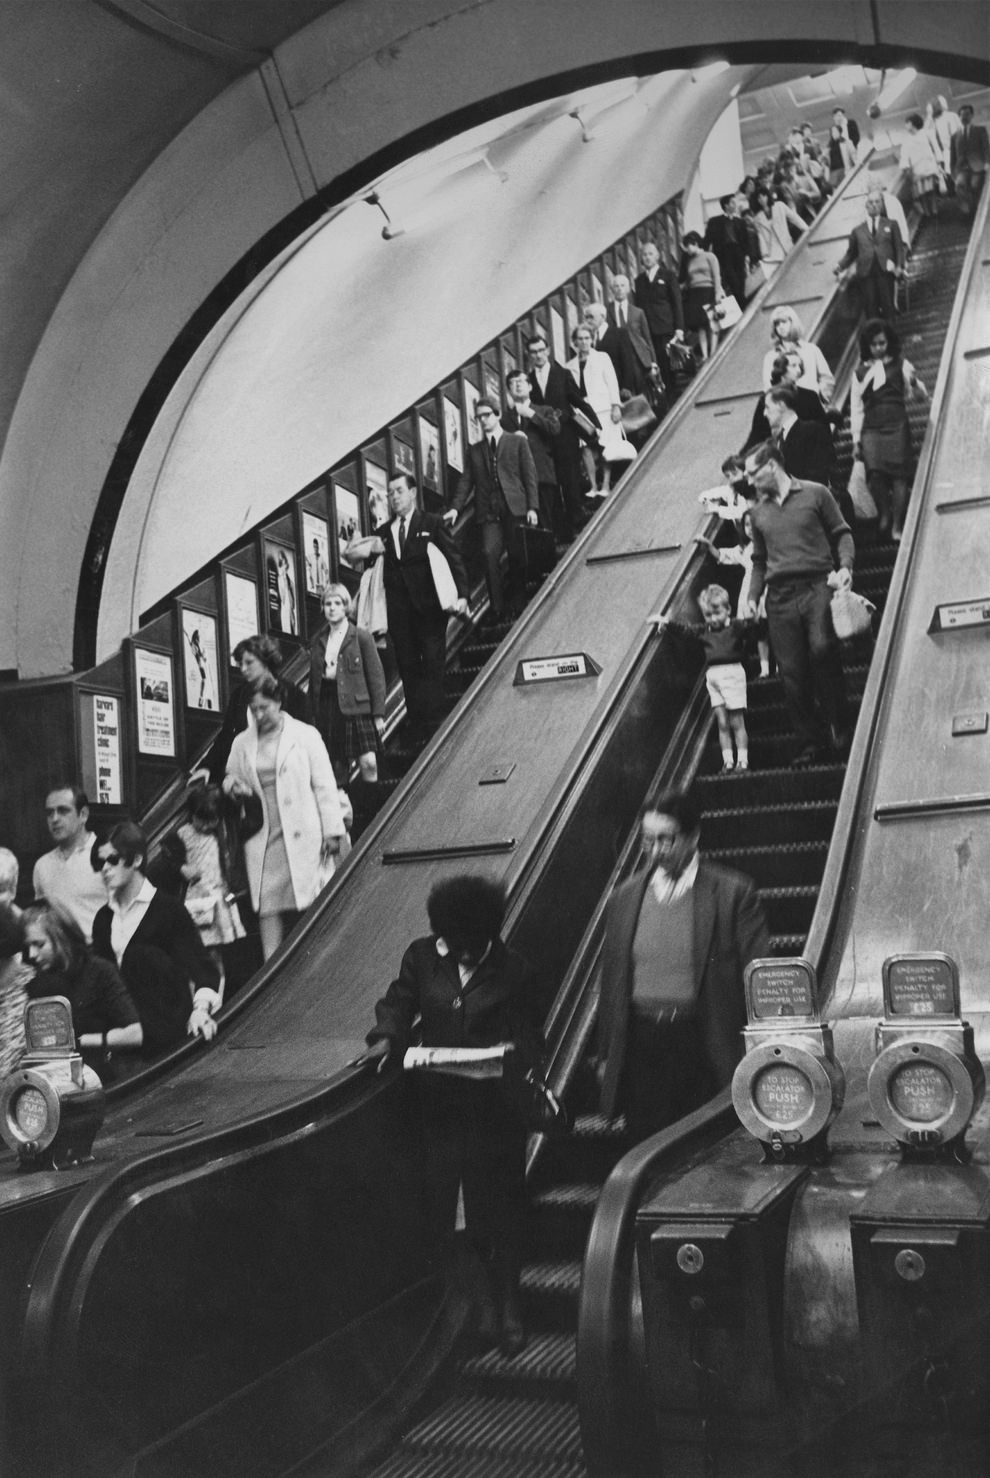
[462,1062]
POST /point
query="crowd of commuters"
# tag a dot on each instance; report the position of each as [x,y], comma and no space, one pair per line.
[143,969]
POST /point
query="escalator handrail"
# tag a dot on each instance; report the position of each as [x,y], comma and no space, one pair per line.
[614,1425]
[58,1275]
[819,948]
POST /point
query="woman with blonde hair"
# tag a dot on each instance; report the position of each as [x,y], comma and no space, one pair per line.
[786,334]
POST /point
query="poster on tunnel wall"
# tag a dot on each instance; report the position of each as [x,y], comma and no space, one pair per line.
[153,680]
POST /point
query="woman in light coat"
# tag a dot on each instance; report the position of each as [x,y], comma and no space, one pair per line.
[594,374]
[285,763]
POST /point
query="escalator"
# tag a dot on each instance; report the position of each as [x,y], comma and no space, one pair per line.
[518,1418]
[267,1147]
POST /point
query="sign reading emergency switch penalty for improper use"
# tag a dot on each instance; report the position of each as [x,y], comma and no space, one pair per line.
[554,669]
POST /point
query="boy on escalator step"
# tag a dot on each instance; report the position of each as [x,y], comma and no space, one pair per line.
[723,641]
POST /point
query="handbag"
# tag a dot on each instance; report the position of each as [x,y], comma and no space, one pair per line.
[852,614]
[859,491]
[248,815]
[638,416]
[202,910]
[443,580]
[539,550]
[726,312]
[533,1099]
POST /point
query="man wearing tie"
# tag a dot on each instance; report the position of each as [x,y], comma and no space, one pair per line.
[656,291]
[417,625]
[875,257]
[970,154]
[627,341]
[550,384]
[678,937]
[501,475]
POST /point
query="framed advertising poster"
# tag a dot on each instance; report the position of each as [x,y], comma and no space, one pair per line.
[316,549]
[347,517]
[429,446]
[471,397]
[106,737]
[453,435]
[405,457]
[241,595]
[281,588]
[199,653]
[155,716]
[376,483]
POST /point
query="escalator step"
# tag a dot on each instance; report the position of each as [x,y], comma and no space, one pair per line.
[485,1425]
[471,1465]
[552,1280]
[769,787]
[786,946]
[807,821]
[789,910]
[547,1366]
[776,867]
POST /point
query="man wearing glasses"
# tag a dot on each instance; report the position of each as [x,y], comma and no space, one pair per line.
[678,936]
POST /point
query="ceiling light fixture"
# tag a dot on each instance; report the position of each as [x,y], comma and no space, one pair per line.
[389,231]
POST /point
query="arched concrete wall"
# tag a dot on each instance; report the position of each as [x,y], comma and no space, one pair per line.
[347,91]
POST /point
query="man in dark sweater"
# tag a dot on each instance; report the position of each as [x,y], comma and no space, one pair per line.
[678,937]
[799,536]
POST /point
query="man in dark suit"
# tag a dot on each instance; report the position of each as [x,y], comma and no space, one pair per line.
[875,258]
[501,476]
[656,291]
[809,452]
[678,937]
[550,384]
[969,153]
[540,424]
[417,625]
[725,235]
[627,341]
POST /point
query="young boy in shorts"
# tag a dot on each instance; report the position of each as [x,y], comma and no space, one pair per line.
[722,639]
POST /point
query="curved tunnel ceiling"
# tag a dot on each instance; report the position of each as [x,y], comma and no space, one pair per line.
[149,148]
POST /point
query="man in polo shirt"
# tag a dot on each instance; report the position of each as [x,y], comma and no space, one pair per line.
[64,876]
[678,937]
[799,536]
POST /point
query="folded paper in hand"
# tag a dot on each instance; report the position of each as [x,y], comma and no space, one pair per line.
[464,1062]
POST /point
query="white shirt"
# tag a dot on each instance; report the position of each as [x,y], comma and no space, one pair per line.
[667,889]
[464,971]
[71,882]
[335,640]
[126,919]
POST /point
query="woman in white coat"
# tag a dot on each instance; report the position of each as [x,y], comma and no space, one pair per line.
[594,374]
[285,763]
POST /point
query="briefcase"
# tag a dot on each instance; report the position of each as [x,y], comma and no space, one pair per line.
[539,550]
